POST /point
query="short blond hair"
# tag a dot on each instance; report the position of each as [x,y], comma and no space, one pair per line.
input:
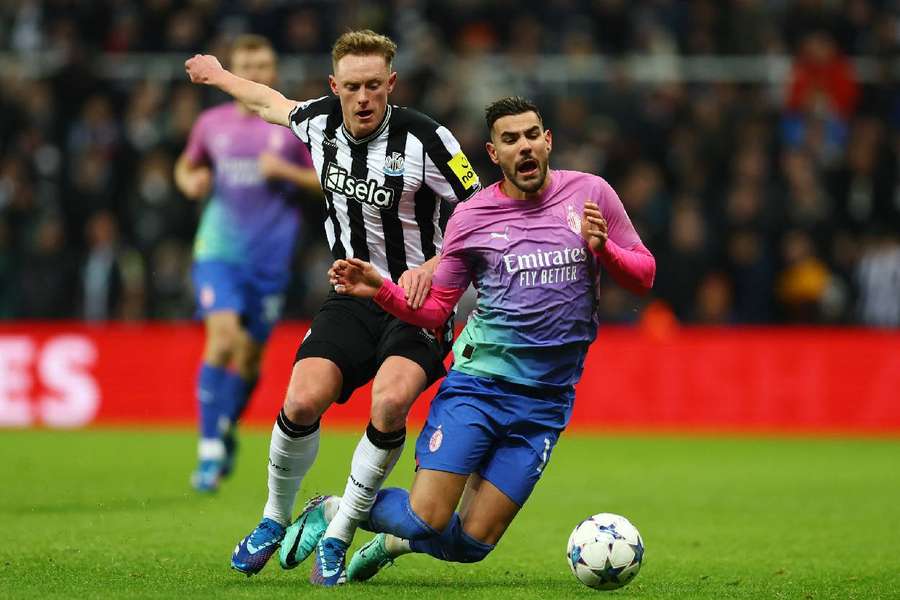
[251,41]
[364,42]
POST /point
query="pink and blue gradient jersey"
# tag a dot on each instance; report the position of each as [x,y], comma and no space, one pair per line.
[535,276]
[248,220]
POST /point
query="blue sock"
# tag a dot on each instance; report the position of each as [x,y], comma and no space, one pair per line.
[392,514]
[209,400]
[236,393]
[453,544]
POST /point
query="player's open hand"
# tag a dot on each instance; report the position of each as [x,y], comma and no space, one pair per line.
[416,284]
[594,229]
[354,277]
[203,68]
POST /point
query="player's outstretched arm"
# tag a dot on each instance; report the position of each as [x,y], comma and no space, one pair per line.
[358,278]
[269,104]
[354,277]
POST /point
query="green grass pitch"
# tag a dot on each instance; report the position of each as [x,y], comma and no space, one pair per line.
[108,513]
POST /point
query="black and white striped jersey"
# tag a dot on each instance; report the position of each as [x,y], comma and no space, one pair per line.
[384,192]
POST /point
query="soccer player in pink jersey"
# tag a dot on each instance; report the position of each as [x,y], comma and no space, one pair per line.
[250,171]
[534,245]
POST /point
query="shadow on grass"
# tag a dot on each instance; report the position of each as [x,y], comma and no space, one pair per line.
[462,583]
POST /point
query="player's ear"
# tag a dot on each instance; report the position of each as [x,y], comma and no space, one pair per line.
[492,152]
[392,81]
[548,137]
[332,83]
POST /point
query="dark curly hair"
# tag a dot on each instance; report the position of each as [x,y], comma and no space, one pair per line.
[511,105]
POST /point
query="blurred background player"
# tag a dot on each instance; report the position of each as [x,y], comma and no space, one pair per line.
[533,245]
[243,248]
[385,172]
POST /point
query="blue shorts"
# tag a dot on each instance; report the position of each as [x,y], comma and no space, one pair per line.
[220,286]
[503,431]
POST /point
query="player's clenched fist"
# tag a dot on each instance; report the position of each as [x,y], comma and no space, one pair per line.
[197,184]
[594,229]
[272,166]
[203,68]
[354,277]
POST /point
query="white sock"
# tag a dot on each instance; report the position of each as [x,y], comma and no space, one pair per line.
[396,546]
[290,457]
[211,449]
[331,507]
[370,467]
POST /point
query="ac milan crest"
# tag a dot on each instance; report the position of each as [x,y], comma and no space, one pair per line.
[436,438]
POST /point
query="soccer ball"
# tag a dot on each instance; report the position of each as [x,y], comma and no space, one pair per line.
[605,551]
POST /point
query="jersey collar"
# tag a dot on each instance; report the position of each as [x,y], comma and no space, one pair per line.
[371,136]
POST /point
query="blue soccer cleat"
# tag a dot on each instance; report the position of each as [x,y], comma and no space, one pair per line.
[254,551]
[207,476]
[328,569]
[304,534]
[369,559]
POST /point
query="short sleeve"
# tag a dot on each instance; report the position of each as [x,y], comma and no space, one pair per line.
[447,170]
[302,113]
[196,151]
[453,268]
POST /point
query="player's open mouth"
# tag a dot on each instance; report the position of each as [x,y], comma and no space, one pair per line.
[529,166]
[365,114]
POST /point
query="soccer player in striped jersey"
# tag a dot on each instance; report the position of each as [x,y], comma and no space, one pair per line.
[243,248]
[386,172]
[534,245]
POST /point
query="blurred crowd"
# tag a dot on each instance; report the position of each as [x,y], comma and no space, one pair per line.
[763,202]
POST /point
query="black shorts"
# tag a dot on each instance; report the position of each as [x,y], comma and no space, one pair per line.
[358,335]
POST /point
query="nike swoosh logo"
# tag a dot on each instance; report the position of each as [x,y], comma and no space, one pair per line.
[296,544]
[254,549]
[326,573]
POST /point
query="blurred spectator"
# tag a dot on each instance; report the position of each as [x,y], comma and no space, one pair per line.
[806,204]
[821,97]
[750,266]
[48,274]
[864,183]
[804,281]
[8,275]
[170,286]
[112,277]
[714,300]
[879,279]
[143,119]
[683,260]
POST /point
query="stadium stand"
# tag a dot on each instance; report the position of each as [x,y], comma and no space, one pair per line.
[755,143]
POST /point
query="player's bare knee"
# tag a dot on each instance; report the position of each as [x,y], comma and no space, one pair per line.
[484,532]
[433,511]
[220,346]
[307,398]
[302,406]
[390,405]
